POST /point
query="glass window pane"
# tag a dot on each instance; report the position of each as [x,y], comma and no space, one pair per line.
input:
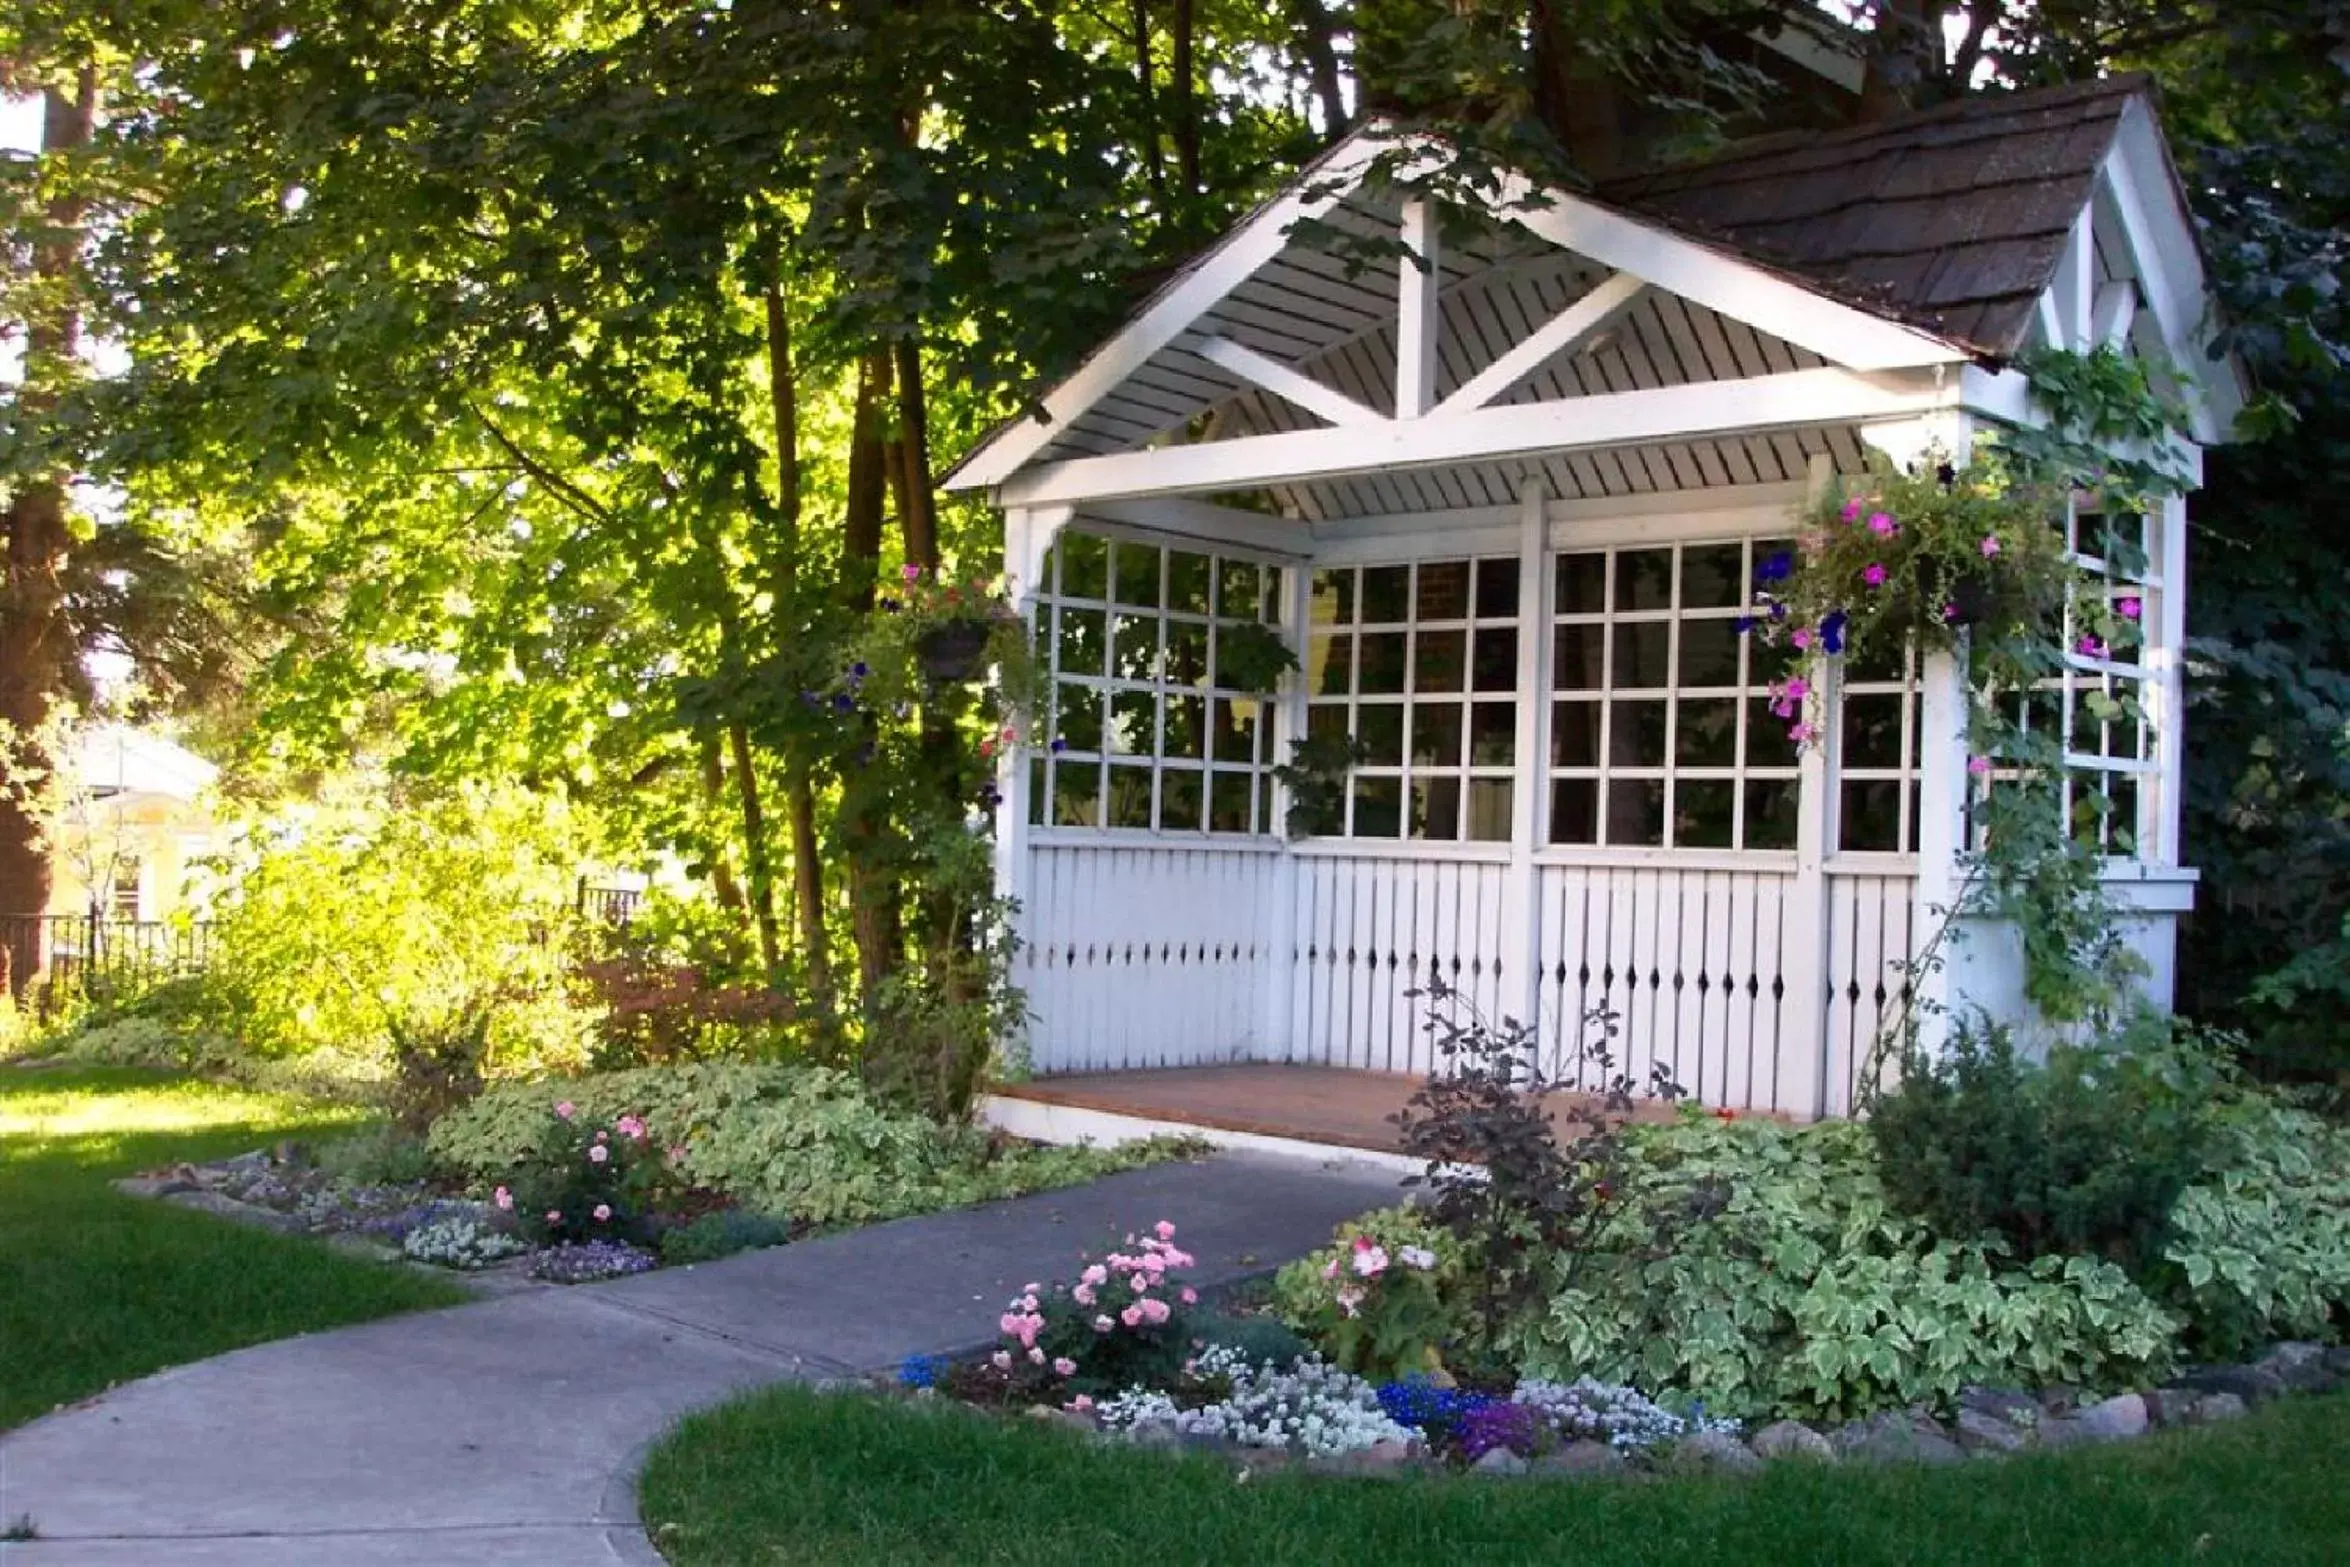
[1768,743]
[1644,579]
[1186,734]
[1187,653]
[1443,590]
[1770,813]
[1574,734]
[1871,815]
[1497,659]
[1878,663]
[1039,791]
[1436,734]
[1379,726]
[1636,812]
[2121,820]
[1326,720]
[1709,653]
[1078,640]
[1077,794]
[1382,663]
[1228,802]
[1641,653]
[1378,807]
[1334,597]
[1872,731]
[1187,582]
[1713,576]
[1128,802]
[1134,724]
[1240,590]
[1387,595]
[1085,565]
[1490,801]
[1574,810]
[1582,584]
[1637,736]
[1180,795]
[1077,718]
[1703,812]
[1236,730]
[1329,665]
[1436,808]
[1578,658]
[1770,662]
[1439,660]
[1135,570]
[1493,734]
[1706,732]
[1497,589]
[1134,647]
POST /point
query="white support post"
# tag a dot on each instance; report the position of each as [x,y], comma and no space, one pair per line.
[2167,618]
[1943,722]
[1028,540]
[1802,1086]
[1278,973]
[1416,312]
[1522,936]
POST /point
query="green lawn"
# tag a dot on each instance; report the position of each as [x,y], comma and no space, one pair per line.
[96,1288]
[793,1476]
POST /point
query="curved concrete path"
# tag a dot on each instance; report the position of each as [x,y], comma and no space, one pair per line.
[508,1433]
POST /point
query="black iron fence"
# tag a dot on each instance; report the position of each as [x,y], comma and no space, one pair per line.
[614,906]
[96,956]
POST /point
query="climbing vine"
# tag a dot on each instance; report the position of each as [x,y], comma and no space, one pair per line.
[1975,560]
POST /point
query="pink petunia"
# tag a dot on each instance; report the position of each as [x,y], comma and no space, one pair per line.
[1874,576]
[911,572]
[1064,1367]
[1800,638]
[1852,509]
[1797,689]
[2091,647]
[603,1213]
[503,1198]
[1350,1299]
[1980,766]
[1882,525]
[1370,1261]
[565,1110]
[1990,545]
[2128,609]
[1804,733]
[598,1154]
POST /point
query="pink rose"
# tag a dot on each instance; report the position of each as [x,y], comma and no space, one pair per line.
[1131,1316]
[1001,1360]
[1140,1283]
[602,1136]
[598,1154]
[554,1216]
[1079,1405]
[1370,1261]
[503,1198]
[1032,1289]
[1104,1324]
[1035,1356]
[1082,1294]
[630,1127]
[1028,1302]
[1154,1311]
[1797,689]
[1166,1230]
[603,1213]
[1009,1322]
[565,1109]
[1190,1296]
[1097,1274]
[1064,1367]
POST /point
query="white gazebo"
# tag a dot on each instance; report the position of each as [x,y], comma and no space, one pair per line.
[1505,500]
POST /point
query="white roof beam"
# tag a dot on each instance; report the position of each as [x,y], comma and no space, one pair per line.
[2111,316]
[1563,333]
[1285,381]
[1760,403]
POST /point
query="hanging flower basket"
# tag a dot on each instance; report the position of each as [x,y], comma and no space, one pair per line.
[1968,598]
[954,649]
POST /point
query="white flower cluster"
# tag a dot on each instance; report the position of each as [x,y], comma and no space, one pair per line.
[1621,1416]
[1312,1406]
[458,1241]
[1137,1406]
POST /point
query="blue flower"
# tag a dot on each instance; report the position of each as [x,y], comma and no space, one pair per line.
[1832,631]
[844,703]
[1777,566]
[1778,611]
[1743,624]
[859,670]
[919,1371]
[1058,746]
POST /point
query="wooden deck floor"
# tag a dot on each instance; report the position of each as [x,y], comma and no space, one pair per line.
[1315,1104]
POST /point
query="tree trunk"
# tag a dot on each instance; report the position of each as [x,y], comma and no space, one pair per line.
[37,655]
[863,503]
[1317,43]
[728,891]
[798,787]
[1578,97]
[873,892]
[1154,161]
[917,501]
[1179,73]
[755,860]
[1903,50]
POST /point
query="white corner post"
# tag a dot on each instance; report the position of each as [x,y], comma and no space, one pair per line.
[1943,723]
[1521,904]
[1029,533]
[1417,309]
[1282,996]
[2167,615]
[1808,1081]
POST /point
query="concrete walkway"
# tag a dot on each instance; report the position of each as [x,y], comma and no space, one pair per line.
[509,1433]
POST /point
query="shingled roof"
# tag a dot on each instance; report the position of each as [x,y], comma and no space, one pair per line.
[1951,219]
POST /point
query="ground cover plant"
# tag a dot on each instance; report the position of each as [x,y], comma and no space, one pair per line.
[97,1288]
[847,1480]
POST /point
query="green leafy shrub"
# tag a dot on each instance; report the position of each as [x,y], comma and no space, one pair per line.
[378,1156]
[798,1140]
[437,1061]
[1806,1292]
[721,1234]
[137,1039]
[2260,1248]
[2082,1156]
[1264,1341]
[1385,1300]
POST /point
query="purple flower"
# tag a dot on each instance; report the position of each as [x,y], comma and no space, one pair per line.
[1743,624]
[1058,746]
[1486,1426]
[1874,576]
[1777,566]
[1882,524]
[1832,630]
[844,703]
[859,670]
[2091,646]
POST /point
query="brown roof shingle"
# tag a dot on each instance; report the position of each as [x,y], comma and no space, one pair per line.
[1952,219]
